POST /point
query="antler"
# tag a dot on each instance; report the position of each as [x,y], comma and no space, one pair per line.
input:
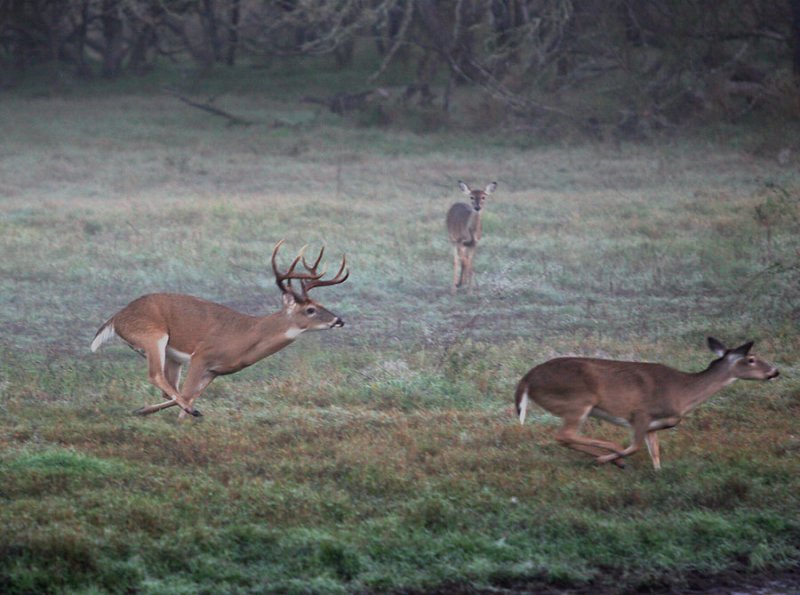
[315,278]
[290,272]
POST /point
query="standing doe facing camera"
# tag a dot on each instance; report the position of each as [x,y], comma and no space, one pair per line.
[464,231]
[171,330]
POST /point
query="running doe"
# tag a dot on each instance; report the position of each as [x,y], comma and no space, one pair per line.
[642,396]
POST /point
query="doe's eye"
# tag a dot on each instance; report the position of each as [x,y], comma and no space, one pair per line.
[311,310]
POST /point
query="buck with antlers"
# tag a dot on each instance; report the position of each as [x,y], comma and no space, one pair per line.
[464,229]
[172,329]
[644,397]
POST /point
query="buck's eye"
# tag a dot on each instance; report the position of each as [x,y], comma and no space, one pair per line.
[751,360]
[311,310]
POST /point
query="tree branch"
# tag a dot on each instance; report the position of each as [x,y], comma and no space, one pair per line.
[207,107]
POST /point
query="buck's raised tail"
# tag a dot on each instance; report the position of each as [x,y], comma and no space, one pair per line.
[104,334]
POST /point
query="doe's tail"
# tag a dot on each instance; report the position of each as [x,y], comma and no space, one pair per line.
[521,398]
[104,334]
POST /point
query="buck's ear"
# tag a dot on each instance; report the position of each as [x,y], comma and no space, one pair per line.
[289,300]
[743,349]
[464,188]
[718,348]
[490,188]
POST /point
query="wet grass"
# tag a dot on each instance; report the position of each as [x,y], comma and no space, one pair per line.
[382,456]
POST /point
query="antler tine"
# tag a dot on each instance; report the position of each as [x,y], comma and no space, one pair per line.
[275,270]
[335,280]
[313,268]
[290,272]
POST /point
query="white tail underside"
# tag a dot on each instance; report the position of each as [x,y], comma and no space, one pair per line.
[104,336]
[523,407]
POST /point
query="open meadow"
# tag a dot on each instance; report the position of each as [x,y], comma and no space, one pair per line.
[385,456]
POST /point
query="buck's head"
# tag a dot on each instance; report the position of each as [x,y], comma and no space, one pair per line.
[305,313]
[477,197]
[740,363]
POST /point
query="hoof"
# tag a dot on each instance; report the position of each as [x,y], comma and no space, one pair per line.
[140,411]
[617,462]
[193,412]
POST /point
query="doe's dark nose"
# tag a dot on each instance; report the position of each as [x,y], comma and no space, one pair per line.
[338,322]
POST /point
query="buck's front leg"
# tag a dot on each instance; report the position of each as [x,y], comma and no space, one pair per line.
[198,378]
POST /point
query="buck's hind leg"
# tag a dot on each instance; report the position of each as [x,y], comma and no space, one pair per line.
[155,350]
[157,407]
[172,372]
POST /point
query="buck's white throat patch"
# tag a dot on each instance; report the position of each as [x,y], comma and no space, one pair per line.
[293,332]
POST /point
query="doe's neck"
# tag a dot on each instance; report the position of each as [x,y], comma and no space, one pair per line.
[701,386]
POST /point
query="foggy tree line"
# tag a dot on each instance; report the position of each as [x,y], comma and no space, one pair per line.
[664,54]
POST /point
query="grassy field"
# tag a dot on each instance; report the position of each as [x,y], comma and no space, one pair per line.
[384,456]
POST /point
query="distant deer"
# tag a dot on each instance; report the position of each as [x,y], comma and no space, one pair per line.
[641,396]
[464,229]
[173,329]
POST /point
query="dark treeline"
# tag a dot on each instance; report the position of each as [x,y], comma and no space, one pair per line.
[657,59]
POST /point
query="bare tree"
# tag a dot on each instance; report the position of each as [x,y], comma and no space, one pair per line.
[795,40]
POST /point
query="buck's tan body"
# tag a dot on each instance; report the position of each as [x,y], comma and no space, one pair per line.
[174,329]
[230,340]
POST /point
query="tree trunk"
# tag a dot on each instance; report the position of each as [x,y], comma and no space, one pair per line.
[795,5]
[144,39]
[233,32]
[210,25]
[84,71]
[113,51]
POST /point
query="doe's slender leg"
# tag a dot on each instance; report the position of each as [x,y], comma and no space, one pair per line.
[651,440]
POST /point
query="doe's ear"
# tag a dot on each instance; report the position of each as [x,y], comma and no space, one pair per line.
[743,349]
[718,348]
[464,188]
[288,299]
[491,188]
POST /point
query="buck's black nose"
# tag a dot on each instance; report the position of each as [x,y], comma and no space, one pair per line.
[338,322]
[774,374]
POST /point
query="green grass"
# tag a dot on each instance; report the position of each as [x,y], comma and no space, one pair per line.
[383,456]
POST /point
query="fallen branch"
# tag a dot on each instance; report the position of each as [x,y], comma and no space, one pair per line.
[207,107]
[341,103]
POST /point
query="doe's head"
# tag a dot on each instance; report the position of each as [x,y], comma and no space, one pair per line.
[740,363]
[477,197]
